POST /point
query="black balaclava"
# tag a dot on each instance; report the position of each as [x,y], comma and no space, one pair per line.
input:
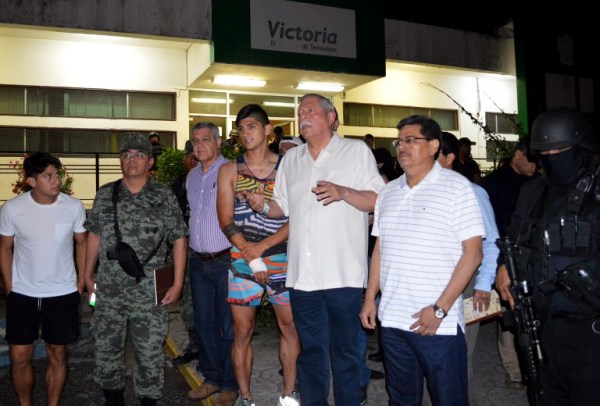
[565,167]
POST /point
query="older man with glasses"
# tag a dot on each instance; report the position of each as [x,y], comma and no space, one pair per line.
[429,232]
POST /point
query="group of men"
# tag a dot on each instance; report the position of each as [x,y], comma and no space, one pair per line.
[295,229]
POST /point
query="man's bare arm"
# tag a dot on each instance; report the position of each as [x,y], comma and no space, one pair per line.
[80,251]
[6,259]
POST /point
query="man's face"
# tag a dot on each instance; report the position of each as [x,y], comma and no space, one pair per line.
[135,163]
[522,165]
[313,120]
[418,156]
[464,151]
[206,147]
[253,133]
[47,184]
[189,161]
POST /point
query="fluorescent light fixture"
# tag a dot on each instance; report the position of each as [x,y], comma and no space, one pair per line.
[320,87]
[210,100]
[278,104]
[238,81]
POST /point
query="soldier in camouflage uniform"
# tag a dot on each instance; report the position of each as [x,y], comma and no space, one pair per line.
[148,217]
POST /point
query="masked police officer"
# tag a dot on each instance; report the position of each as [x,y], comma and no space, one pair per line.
[556,229]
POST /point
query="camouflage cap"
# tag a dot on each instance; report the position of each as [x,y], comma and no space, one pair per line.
[137,141]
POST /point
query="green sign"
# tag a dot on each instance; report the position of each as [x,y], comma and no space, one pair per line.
[332,36]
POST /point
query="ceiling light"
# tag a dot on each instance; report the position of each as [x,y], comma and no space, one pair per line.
[320,87]
[278,104]
[209,100]
[238,81]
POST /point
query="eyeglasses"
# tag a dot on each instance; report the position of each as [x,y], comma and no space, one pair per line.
[408,141]
[203,140]
[128,156]
[50,176]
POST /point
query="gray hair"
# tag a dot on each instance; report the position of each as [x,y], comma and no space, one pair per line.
[325,103]
[205,124]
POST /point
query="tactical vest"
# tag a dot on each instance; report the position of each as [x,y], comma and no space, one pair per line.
[569,234]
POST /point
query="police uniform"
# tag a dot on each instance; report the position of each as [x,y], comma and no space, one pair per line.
[144,219]
[556,226]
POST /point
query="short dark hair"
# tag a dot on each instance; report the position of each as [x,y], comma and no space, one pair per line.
[448,144]
[429,127]
[37,162]
[253,110]
[369,137]
[278,130]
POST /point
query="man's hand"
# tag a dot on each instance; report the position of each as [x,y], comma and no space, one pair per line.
[426,324]
[481,300]
[368,314]
[251,250]
[172,295]
[328,192]
[256,201]
[503,285]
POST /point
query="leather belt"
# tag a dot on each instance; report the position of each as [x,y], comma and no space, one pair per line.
[208,256]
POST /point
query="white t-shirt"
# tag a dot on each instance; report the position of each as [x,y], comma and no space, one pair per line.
[327,245]
[43,264]
[420,232]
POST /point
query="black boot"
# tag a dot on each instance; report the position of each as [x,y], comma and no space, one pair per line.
[114,397]
[190,353]
[147,402]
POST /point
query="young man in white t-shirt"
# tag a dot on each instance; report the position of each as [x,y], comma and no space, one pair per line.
[37,230]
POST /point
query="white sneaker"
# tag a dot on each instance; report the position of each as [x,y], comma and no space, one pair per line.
[293,399]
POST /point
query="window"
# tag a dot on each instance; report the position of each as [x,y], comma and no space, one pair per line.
[12,100]
[59,140]
[88,103]
[501,123]
[376,115]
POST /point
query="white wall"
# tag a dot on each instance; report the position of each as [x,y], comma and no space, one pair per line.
[46,58]
[404,85]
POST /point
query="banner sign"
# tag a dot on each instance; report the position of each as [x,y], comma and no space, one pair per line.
[288,26]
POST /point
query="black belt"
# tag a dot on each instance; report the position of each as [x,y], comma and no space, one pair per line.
[207,256]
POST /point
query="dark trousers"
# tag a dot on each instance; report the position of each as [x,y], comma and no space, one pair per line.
[571,375]
[328,325]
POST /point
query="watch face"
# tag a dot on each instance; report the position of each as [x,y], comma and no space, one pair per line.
[440,313]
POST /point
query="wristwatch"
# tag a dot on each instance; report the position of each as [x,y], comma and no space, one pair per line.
[438,311]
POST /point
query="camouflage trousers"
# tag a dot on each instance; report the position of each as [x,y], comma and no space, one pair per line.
[118,308]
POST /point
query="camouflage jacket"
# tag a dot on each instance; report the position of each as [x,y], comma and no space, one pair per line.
[143,220]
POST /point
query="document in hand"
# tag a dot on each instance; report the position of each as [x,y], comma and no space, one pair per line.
[474,316]
[163,280]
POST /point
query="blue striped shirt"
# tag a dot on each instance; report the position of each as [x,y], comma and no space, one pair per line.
[205,232]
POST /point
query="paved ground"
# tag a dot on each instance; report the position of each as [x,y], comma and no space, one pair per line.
[266,382]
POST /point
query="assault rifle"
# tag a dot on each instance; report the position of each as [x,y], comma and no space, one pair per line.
[525,324]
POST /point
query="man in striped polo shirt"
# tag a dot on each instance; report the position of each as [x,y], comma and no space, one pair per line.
[429,228]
